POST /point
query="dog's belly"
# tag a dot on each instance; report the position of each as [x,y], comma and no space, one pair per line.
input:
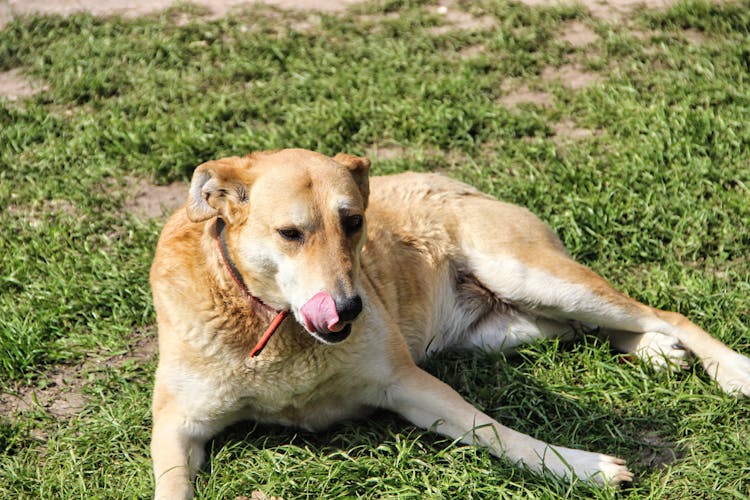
[466,316]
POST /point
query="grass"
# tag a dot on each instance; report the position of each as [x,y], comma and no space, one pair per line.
[657,200]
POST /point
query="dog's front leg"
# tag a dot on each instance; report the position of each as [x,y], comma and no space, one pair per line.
[431,404]
[177,450]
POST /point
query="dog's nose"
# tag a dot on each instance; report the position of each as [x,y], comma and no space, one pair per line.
[349,308]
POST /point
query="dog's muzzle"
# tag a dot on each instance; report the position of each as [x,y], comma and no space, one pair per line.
[327,320]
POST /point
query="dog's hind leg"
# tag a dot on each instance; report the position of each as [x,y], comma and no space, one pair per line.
[504,326]
[504,331]
[550,284]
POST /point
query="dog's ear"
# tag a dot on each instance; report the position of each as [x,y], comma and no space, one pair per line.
[359,167]
[219,187]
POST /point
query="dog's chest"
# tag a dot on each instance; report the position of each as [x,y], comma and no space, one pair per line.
[309,389]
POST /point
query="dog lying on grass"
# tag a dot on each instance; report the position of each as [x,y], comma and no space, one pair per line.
[294,289]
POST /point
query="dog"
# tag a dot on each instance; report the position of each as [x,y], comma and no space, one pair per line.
[294,289]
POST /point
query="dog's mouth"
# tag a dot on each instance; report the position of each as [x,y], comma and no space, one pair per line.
[329,337]
[321,320]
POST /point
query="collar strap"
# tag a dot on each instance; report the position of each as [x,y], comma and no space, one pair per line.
[221,239]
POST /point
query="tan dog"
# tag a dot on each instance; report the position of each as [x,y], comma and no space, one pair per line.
[436,265]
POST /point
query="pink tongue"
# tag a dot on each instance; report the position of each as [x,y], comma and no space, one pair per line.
[320,314]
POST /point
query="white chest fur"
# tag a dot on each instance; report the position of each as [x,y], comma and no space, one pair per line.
[311,388]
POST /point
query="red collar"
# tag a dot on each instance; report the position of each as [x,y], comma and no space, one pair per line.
[221,240]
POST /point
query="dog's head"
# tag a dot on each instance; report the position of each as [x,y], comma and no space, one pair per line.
[295,228]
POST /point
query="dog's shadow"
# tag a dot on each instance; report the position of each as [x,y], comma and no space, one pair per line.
[501,387]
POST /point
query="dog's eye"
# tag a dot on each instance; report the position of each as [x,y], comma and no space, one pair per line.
[291,234]
[352,224]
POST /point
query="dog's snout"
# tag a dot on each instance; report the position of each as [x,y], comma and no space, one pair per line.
[349,308]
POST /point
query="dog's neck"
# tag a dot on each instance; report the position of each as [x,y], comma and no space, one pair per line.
[234,272]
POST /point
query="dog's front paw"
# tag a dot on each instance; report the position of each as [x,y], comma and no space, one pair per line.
[732,373]
[612,471]
[662,352]
[592,467]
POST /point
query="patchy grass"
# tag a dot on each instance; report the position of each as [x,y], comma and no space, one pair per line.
[655,197]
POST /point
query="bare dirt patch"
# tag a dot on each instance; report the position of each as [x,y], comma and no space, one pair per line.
[694,36]
[386,152]
[61,394]
[642,35]
[616,10]
[456,19]
[525,95]
[150,201]
[605,10]
[572,76]
[567,130]
[441,160]
[134,8]
[472,51]
[578,34]
[15,86]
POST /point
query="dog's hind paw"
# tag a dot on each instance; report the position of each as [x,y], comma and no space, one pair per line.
[732,373]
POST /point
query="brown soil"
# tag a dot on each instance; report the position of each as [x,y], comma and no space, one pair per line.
[456,19]
[150,201]
[572,76]
[134,8]
[567,130]
[524,95]
[578,34]
[694,36]
[606,10]
[610,10]
[472,51]
[15,86]
[62,394]
[385,152]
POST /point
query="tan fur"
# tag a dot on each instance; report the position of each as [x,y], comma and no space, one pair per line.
[438,265]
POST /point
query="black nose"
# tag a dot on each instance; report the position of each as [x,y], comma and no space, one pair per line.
[349,308]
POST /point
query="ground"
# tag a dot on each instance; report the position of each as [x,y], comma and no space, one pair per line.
[619,122]
[13,85]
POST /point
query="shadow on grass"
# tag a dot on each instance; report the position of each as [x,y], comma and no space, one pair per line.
[502,388]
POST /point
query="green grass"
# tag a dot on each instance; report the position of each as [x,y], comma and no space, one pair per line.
[657,200]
